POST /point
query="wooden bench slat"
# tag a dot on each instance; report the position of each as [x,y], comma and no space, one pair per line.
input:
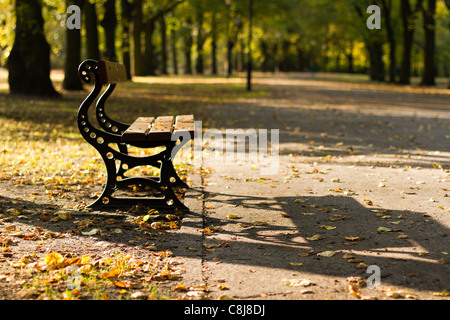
[138,130]
[184,118]
[161,129]
[111,72]
[185,123]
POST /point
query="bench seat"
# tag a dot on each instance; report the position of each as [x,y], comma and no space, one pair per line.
[158,129]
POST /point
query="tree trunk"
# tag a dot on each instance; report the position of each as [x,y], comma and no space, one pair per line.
[126,58]
[109,24]
[376,72]
[173,45]
[163,31]
[149,50]
[137,27]
[387,6]
[429,24]
[187,41]
[187,54]
[90,14]
[72,58]
[214,43]
[447,2]
[29,60]
[200,40]
[265,64]
[408,21]
[350,59]
[230,45]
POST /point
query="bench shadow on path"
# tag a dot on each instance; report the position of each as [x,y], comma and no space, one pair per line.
[408,256]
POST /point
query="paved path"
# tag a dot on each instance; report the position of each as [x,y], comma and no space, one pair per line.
[363,179]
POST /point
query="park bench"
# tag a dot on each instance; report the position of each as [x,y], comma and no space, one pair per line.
[112,140]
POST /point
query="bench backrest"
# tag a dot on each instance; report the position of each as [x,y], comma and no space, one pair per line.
[111,72]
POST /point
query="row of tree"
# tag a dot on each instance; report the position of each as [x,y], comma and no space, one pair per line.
[198,36]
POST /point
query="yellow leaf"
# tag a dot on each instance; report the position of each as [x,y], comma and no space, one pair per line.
[53,259]
[354,291]
[15,212]
[296,264]
[443,293]
[207,230]
[232,216]
[190,248]
[327,227]
[326,254]
[85,269]
[181,287]
[121,284]
[84,259]
[223,288]
[315,237]
[113,273]
[383,229]
[63,215]
[354,260]
[352,238]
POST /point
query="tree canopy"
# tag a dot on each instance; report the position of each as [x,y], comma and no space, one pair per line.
[154,37]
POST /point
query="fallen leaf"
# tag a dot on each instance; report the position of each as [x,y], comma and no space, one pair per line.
[353,290]
[113,273]
[327,227]
[296,282]
[326,254]
[181,288]
[396,294]
[53,259]
[315,237]
[90,233]
[354,260]
[296,264]
[63,215]
[260,223]
[352,238]
[443,293]
[121,284]
[304,254]
[232,216]
[384,229]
